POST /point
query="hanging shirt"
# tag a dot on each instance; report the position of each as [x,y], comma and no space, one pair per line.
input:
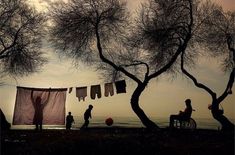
[108,89]
[120,86]
[95,89]
[81,93]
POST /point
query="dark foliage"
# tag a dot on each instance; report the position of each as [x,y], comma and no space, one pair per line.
[21,30]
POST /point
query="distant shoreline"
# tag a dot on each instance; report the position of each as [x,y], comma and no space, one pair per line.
[125,122]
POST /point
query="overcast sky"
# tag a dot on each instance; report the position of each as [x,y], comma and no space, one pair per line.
[161,98]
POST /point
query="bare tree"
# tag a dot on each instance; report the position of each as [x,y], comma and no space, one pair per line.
[215,31]
[21,30]
[89,29]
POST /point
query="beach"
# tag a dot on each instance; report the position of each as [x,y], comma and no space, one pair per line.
[126,122]
[114,140]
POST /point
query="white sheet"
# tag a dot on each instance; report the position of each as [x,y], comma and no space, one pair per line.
[53,112]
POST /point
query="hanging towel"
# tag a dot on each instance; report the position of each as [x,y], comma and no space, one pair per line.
[70,89]
[120,86]
[95,89]
[81,93]
[108,89]
[53,104]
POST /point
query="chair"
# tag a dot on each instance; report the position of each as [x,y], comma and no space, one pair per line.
[186,124]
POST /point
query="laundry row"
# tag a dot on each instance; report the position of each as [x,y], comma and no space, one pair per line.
[55,99]
[95,90]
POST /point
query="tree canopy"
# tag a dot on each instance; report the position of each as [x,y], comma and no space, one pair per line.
[101,29]
[21,31]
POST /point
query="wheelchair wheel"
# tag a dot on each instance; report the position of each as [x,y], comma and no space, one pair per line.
[191,124]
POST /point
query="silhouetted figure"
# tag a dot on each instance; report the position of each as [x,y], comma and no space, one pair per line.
[4,123]
[87,115]
[69,121]
[38,107]
[183,115]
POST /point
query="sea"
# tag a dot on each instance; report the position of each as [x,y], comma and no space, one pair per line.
[127,122]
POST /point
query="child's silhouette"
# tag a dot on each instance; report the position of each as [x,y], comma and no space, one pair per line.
[87,115]
[38,107]
[69,121]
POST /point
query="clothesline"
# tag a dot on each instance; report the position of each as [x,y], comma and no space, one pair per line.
[26,105]
[73,86]
[95,90]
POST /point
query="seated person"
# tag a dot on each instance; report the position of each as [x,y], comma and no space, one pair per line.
[183,115]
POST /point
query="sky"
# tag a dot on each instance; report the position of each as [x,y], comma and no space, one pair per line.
[162,97]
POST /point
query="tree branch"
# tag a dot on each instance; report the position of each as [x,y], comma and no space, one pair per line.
[3,44]
[229,87]
[167,66]
[181,48]
[12,44]
[196,83]
[104,59]
[136,63]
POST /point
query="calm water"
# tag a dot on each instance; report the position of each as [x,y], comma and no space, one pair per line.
[202,123]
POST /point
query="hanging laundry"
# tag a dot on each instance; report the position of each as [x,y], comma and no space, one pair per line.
[52,106]
[81,93]
[120,86]
[95,89]
[108,89]
[70,89]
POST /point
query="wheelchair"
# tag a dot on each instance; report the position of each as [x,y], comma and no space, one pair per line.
[185,124]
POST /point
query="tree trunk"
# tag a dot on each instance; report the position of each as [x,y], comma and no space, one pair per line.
[218,115]
[139,112]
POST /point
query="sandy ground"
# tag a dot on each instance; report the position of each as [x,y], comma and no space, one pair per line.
[112,141]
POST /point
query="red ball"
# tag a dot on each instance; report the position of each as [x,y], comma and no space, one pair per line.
[109,121]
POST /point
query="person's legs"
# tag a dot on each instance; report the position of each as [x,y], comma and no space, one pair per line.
[68,126]
[40,126]
[36,125]
[85,125]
